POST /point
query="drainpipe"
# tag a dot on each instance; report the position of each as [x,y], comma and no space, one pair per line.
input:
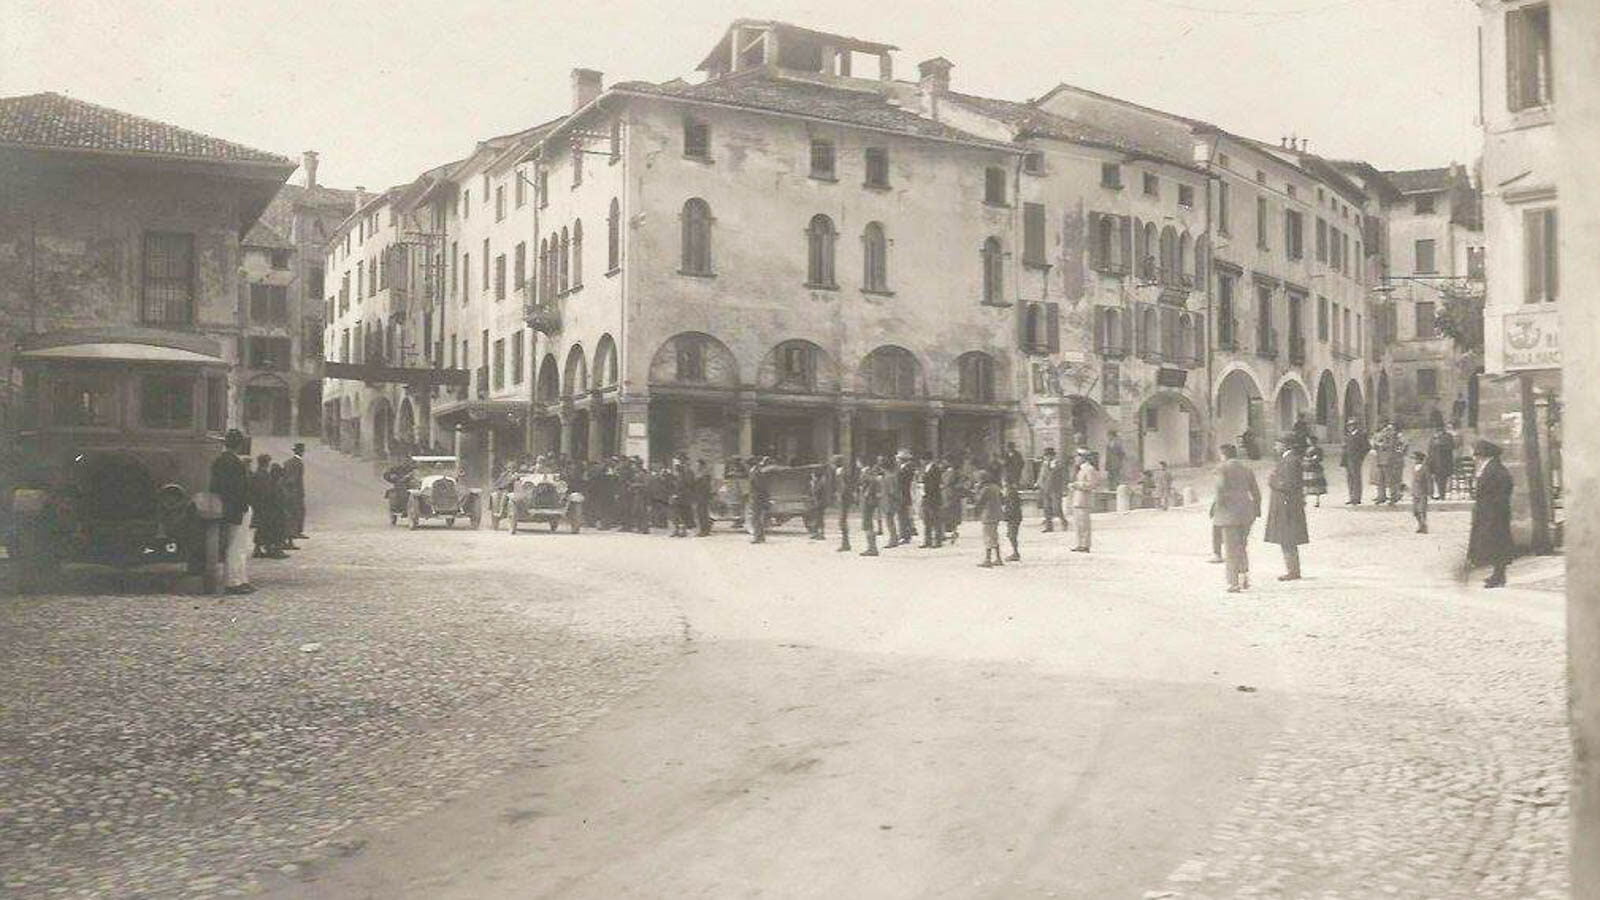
[1211,322]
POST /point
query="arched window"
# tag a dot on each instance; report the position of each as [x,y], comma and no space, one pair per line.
[1148,334]
[993,280]
[819,252]
[566,259]
[1147,253]
[893,372]
[577,254]
[697,237]
[543,277]
[976,372]
[1169,255]
[1110,334]
[1183,258]
[614,236]
[1033,336]
[1106,244]
[874,258]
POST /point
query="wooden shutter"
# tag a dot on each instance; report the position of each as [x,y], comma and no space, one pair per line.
[1097,260]
[1516,50]
[1127,244]
[1533,239]
[1052,327]
[1033,233]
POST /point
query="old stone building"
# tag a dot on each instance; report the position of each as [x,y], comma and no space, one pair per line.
[124,226]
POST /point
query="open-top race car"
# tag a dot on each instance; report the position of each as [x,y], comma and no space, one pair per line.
[432,489]
[536,497]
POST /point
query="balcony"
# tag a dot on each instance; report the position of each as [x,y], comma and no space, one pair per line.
[544,318]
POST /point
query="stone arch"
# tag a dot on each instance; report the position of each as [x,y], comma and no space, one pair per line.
[1354,407]
[694,357]
[380,419]
[406,424]
[605,363]
[1327,400]
[1291,400]
[548,387]
[1169,254]
[1185,255]
[1170,430]
[575,377]
[892,371]
[798,366]
[1239,405]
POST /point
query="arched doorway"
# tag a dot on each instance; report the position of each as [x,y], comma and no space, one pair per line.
[1292,402]
[1239,408]
[1353,405]
[1327,400]
[1170,431]
[382,427]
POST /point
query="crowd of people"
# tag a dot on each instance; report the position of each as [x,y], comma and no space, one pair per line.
[264,508]
[1298,473]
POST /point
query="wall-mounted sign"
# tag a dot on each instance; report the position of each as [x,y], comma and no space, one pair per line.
[1530,339]
[1171,377]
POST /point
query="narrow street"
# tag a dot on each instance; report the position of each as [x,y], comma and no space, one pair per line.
[464,714]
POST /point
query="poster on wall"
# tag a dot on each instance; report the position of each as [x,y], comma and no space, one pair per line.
[1530,339]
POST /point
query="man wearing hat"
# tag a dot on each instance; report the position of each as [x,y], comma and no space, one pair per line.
[1356,447]
[760,499]
[1286,516]
[1051,480]
[932,504]
[1490,543]
[1083,485]
[230,480]
[905,477]
[294,491]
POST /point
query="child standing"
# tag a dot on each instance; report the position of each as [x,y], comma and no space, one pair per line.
[1419,490]
[1011,511]
[1164,485]
[1313,479]
[989,510]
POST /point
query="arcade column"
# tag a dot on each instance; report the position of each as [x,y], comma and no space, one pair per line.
[846,432]
[596,432]
[565,417]
[747,428]
[935,414]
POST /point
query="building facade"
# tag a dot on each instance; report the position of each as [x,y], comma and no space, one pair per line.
[1520,398]
[126,226]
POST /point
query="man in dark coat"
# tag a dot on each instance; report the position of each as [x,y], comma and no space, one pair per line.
[1116,459]
[1011,464]
[1286,517]
[230,480]
[1235,509]
[844,491]
[1490,543]
[702,498]
[1356,448]
[268,506]
[760,500]
[869,492]
[1441,460]
[294,482]
[932,504]
[905,477]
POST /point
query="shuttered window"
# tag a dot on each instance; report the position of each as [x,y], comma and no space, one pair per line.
[1033,234]
[1539,245]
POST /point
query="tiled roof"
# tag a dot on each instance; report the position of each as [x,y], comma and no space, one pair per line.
[54,121]
[262,235]
[754,90]
[1029,119]
[1411,181]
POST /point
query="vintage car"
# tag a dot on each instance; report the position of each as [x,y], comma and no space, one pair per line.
[434,490]
[118,429]
[789,490]
[536,497]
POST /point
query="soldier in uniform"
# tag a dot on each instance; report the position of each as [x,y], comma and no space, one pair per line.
[905,477]
[932,504]
[869,493]
[736,474]
[844,479]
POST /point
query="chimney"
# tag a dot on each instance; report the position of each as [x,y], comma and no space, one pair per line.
[361,196]
[308,162]
[585,87]
[933,75]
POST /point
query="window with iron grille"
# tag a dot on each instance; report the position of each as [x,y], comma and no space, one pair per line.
[167,297]
[822,160]
[696,139]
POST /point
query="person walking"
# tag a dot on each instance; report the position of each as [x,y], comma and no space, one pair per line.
[932,504]
[1316,481]
[269,511]
[1052,480]
[1083,486]
[1421,478]
[1115,460]
[869,494]
[1011,513]
[1441,460]
[1490,542]
[1164,485]
[1354,455]
[989,504]
[1286,517]
[230,480]
[294,479]
[1235,508]
[701,495]
[736,474]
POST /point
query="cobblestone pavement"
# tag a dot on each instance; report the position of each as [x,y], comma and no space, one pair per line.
[168,746]
[162,746]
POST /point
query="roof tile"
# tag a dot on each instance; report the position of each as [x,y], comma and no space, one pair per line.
[55,121]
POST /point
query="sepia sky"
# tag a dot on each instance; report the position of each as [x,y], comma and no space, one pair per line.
[385,90]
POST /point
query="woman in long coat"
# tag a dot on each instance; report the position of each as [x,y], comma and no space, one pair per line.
[1286,516]
[1490,543]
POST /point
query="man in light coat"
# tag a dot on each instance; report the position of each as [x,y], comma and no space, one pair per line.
[1286,517]
[230,480]
[1234,511]
[1084,482]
